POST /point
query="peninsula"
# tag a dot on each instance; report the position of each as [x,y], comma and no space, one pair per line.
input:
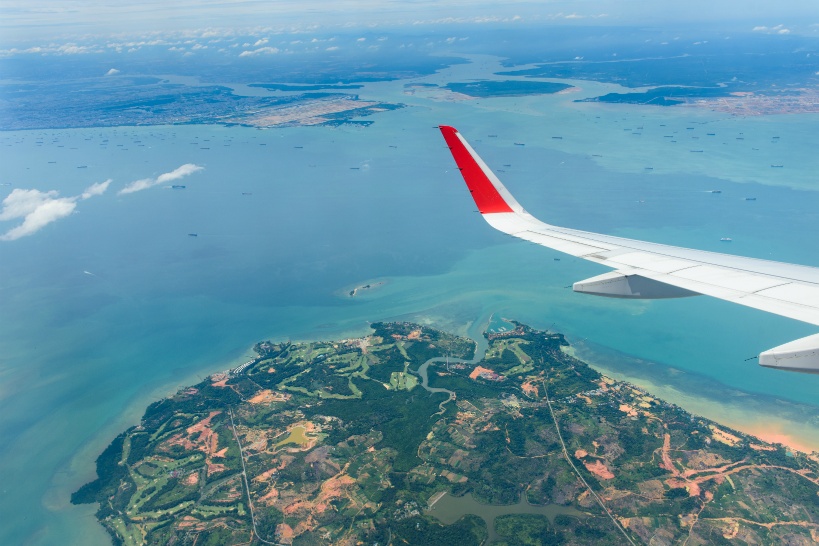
[407,436]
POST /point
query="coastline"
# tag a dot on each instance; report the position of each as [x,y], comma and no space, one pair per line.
[756,415]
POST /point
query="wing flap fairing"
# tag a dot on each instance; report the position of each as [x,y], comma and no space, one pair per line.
[617,284]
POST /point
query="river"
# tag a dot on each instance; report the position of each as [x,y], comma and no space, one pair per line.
[448,508]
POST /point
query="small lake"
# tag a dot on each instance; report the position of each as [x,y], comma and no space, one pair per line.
[297,436]
[449,509]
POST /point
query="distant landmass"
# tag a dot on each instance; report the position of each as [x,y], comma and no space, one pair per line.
[119,101]
[407,436]
[721,99]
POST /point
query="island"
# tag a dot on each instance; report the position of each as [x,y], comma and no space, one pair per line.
[369,286]
[411,435]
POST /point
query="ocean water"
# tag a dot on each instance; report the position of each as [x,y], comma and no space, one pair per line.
[116,305]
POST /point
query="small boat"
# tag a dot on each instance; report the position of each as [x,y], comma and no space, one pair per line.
[519,144]
[715,191]
[82,167]
[193,235]
[777,166]
[178,187]
[750,198]
[726,239]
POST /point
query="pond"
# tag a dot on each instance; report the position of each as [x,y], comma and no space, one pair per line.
[448,509]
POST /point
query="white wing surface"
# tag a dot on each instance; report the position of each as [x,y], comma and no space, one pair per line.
[652,271]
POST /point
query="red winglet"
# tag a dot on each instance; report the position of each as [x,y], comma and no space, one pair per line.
[483,191]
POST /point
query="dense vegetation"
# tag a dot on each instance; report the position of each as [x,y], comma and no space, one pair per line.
[336,450]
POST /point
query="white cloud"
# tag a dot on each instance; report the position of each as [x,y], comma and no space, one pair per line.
[20,203]
[145,183]
[112,72]
[260,42]
[778,29]
[95,189]
[332,48]
[72,49]
[138,185]
[261,51]
[179,172]
[361,40]
[47,211]
[38,208]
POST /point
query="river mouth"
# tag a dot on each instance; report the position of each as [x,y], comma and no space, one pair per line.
[448,509]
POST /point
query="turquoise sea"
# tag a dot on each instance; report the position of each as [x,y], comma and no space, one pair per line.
[116,305]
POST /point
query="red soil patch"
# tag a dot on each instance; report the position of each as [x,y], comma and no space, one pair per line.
[530,389]
[599,469]
[478,371]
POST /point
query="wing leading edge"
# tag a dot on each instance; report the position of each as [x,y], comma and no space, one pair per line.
[652,271]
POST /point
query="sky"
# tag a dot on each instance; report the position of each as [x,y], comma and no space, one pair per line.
[24,20]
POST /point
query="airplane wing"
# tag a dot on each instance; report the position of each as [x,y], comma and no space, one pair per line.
[652,271]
